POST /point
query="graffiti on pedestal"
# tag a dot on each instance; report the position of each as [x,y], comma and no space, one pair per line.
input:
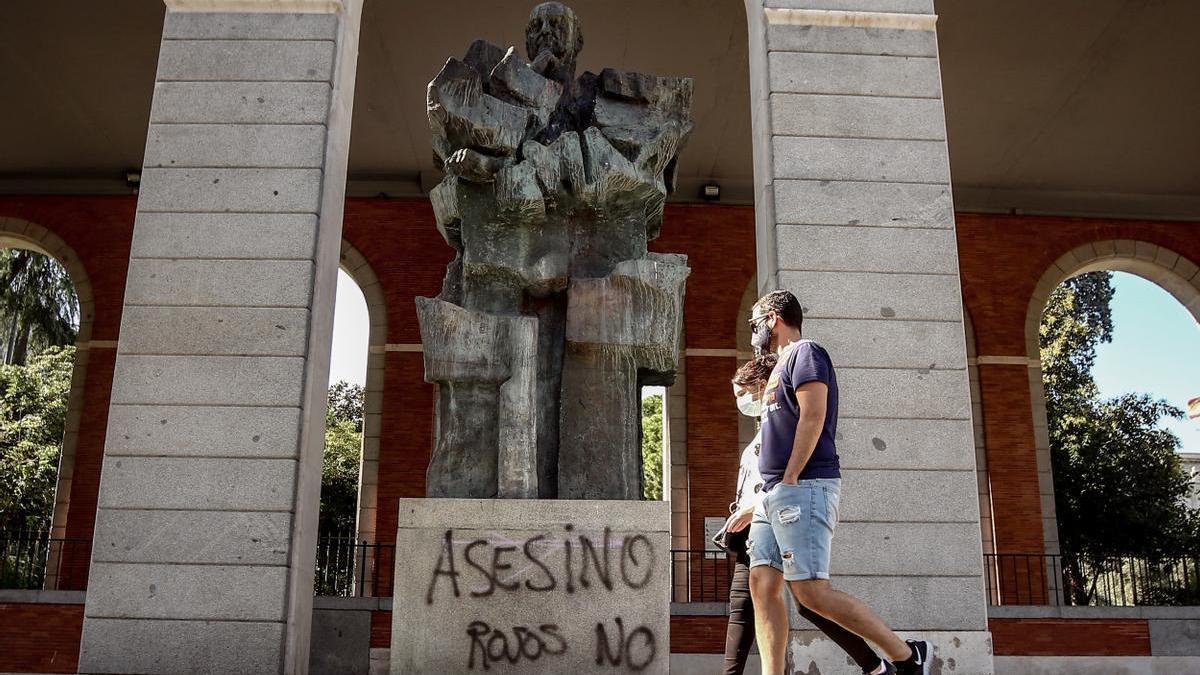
[571,563]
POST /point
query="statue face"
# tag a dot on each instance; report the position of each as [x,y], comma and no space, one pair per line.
[553,27]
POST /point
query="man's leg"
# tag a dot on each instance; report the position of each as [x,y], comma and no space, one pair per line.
[854,646]
[850,613]
[770,618]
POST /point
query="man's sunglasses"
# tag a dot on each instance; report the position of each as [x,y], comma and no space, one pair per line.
[754,322]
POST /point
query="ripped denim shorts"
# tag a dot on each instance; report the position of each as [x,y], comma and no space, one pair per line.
[792,529]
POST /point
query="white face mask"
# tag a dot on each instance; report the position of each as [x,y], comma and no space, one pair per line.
[750,406]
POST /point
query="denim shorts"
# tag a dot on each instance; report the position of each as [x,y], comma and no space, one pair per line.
[792,528]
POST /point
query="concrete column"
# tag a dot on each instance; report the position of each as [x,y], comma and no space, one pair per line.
[854,215]
[206,526]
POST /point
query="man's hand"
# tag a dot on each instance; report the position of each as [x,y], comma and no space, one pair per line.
[811,397]
[740,520]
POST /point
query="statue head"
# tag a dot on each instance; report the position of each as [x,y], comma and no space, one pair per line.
[554,29]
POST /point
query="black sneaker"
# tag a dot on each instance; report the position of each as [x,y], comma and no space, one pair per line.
[922,651]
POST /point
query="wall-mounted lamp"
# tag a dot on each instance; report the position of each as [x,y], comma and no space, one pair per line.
[711,192]
[133,179]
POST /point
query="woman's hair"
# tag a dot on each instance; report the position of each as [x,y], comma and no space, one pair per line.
[756,370]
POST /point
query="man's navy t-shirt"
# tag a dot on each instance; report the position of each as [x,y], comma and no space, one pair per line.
[806,361]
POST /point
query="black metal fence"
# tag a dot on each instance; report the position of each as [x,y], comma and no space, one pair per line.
[1097,581]
[700,576]
[347,567]
[33,560]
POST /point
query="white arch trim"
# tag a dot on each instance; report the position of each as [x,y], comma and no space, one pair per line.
[356,265]
[1176,274]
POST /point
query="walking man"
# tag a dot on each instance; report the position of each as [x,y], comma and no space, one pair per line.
[792,528]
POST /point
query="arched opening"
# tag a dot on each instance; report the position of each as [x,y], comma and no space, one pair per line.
[346,557]
[1112,339]
[45,329]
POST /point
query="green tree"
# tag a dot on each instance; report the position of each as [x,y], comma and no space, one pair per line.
[341,460]
[38,305]
[652,447]
[33,413]
[1119,486]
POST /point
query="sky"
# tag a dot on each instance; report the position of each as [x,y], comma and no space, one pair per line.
[1155,350]
[1155,347]
[351,328]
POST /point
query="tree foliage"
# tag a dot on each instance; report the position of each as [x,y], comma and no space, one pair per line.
[38,305]
[1119,486]
[341,460]
[33,414]
[652,447]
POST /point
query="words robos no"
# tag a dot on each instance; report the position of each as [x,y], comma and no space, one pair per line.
[485,567]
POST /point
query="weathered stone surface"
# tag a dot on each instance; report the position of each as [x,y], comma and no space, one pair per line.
[195,537]
[208,380]
[221,283]
[901,6]
[235,145]
[884,549]
[802,73]
[182,591]
[203,431]
[198,484]
[196,647]
[822,202]
[224,235]
[930,496]
[490,361]
[896,444]
[872,295]
[855,159]
[554,187]
[954,652]
[858,343]
[917,602]
[341,642]
[243,25]
[852,40]
[241,102]
[575,587]
[857,116]
[903,393]
[867,249]
[233,331]
[236,60]
[228,190]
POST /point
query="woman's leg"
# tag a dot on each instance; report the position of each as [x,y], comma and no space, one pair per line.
[856,647]
[739,635]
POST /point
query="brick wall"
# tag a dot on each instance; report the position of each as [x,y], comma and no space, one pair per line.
[99,230]
[1002,258]
[1070,637]
[41,638]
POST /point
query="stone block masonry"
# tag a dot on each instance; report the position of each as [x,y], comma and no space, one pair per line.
[532,586]
[227,323]
[855,216]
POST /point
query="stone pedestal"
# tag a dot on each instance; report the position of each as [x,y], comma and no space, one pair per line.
[531,586]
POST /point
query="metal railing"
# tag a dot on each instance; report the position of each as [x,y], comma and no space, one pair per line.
[349,568]
[33,560]
[698,575]
[1097,581]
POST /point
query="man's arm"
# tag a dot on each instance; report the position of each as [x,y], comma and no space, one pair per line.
[811,398]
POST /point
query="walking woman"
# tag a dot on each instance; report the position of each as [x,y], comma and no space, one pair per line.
[748,386]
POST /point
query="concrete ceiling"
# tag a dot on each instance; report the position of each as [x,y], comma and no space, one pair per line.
[1067,106]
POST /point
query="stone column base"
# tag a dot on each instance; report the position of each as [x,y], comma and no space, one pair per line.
[954,653]
[531,586]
